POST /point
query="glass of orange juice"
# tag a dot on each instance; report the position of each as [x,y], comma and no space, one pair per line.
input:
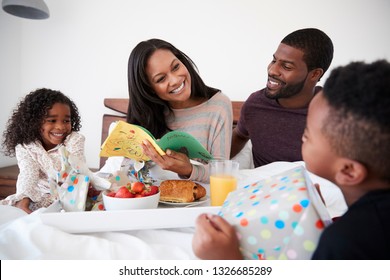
[223,179]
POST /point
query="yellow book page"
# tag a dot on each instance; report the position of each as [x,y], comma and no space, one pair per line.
[125,140]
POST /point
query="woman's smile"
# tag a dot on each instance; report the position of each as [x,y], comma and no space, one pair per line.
[177,90]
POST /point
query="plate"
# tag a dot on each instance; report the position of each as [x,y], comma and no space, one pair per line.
[194,203]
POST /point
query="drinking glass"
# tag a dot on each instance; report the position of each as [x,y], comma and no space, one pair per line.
[223,180]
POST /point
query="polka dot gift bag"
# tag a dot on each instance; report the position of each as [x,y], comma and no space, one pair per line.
[70,184]
[280,217]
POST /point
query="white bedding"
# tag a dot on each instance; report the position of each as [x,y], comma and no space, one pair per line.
[24,236]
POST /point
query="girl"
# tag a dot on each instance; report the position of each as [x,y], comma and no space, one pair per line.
[42,122]
[166,93]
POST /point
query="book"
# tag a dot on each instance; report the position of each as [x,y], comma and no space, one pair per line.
[126,139]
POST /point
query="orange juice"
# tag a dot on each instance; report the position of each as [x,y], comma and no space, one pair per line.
[220,187]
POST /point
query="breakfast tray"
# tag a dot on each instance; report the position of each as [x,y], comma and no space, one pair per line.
[99,221]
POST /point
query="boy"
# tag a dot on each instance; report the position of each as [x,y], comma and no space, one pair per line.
[346,141]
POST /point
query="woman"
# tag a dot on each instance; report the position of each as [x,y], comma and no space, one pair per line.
[166,93]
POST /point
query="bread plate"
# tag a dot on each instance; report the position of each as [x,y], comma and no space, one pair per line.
[181,204]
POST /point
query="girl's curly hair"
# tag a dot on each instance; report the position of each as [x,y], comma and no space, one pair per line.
[25,123]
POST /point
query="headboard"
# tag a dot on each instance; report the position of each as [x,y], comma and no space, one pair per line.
[120,105]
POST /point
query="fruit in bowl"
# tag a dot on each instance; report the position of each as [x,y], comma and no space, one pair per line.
[132,196]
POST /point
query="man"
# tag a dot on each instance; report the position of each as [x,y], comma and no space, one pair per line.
[274,118]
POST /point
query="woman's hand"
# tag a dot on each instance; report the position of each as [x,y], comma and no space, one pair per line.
[24,205]
[215,239]
[172,161]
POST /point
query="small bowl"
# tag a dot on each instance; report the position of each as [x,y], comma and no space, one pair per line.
[115,203]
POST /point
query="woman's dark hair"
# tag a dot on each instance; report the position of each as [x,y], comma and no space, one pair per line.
[145,107]
[24,126]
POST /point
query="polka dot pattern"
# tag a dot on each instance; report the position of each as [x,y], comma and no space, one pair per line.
[275,217]
[73,191]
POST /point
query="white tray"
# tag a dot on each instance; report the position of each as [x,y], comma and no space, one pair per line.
[98,221]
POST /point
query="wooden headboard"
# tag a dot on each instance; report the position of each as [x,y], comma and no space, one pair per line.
[120,105]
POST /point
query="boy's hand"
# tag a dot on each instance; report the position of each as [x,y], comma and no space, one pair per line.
[215,239]
[172,161]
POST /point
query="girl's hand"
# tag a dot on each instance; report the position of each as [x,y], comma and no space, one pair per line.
[24,205]
[215,239]
[172,161]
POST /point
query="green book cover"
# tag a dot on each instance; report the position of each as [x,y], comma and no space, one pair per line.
[125,140]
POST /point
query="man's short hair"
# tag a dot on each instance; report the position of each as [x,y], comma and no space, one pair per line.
[316,46]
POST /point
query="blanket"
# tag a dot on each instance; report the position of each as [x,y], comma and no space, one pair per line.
[25,236]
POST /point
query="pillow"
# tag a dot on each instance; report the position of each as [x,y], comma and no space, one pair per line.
[244,157]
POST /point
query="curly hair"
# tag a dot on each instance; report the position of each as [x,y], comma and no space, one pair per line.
[358,125]
[316,46]
[145,107]
[25,123]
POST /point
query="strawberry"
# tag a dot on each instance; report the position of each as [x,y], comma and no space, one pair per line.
[145,192]
[154,189]
[124,192]
[111,194]
[150,191]
[137,187]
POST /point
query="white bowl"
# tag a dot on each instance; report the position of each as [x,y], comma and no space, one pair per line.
[116,203]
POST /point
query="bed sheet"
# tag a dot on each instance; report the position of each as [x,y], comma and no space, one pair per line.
[25,236]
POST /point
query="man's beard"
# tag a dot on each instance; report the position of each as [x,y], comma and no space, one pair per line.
[287,91]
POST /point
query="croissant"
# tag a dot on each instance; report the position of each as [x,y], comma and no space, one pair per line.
[181,191]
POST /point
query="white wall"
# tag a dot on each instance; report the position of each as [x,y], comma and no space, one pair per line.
[83,48]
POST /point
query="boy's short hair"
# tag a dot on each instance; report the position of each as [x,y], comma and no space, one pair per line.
[358,124]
